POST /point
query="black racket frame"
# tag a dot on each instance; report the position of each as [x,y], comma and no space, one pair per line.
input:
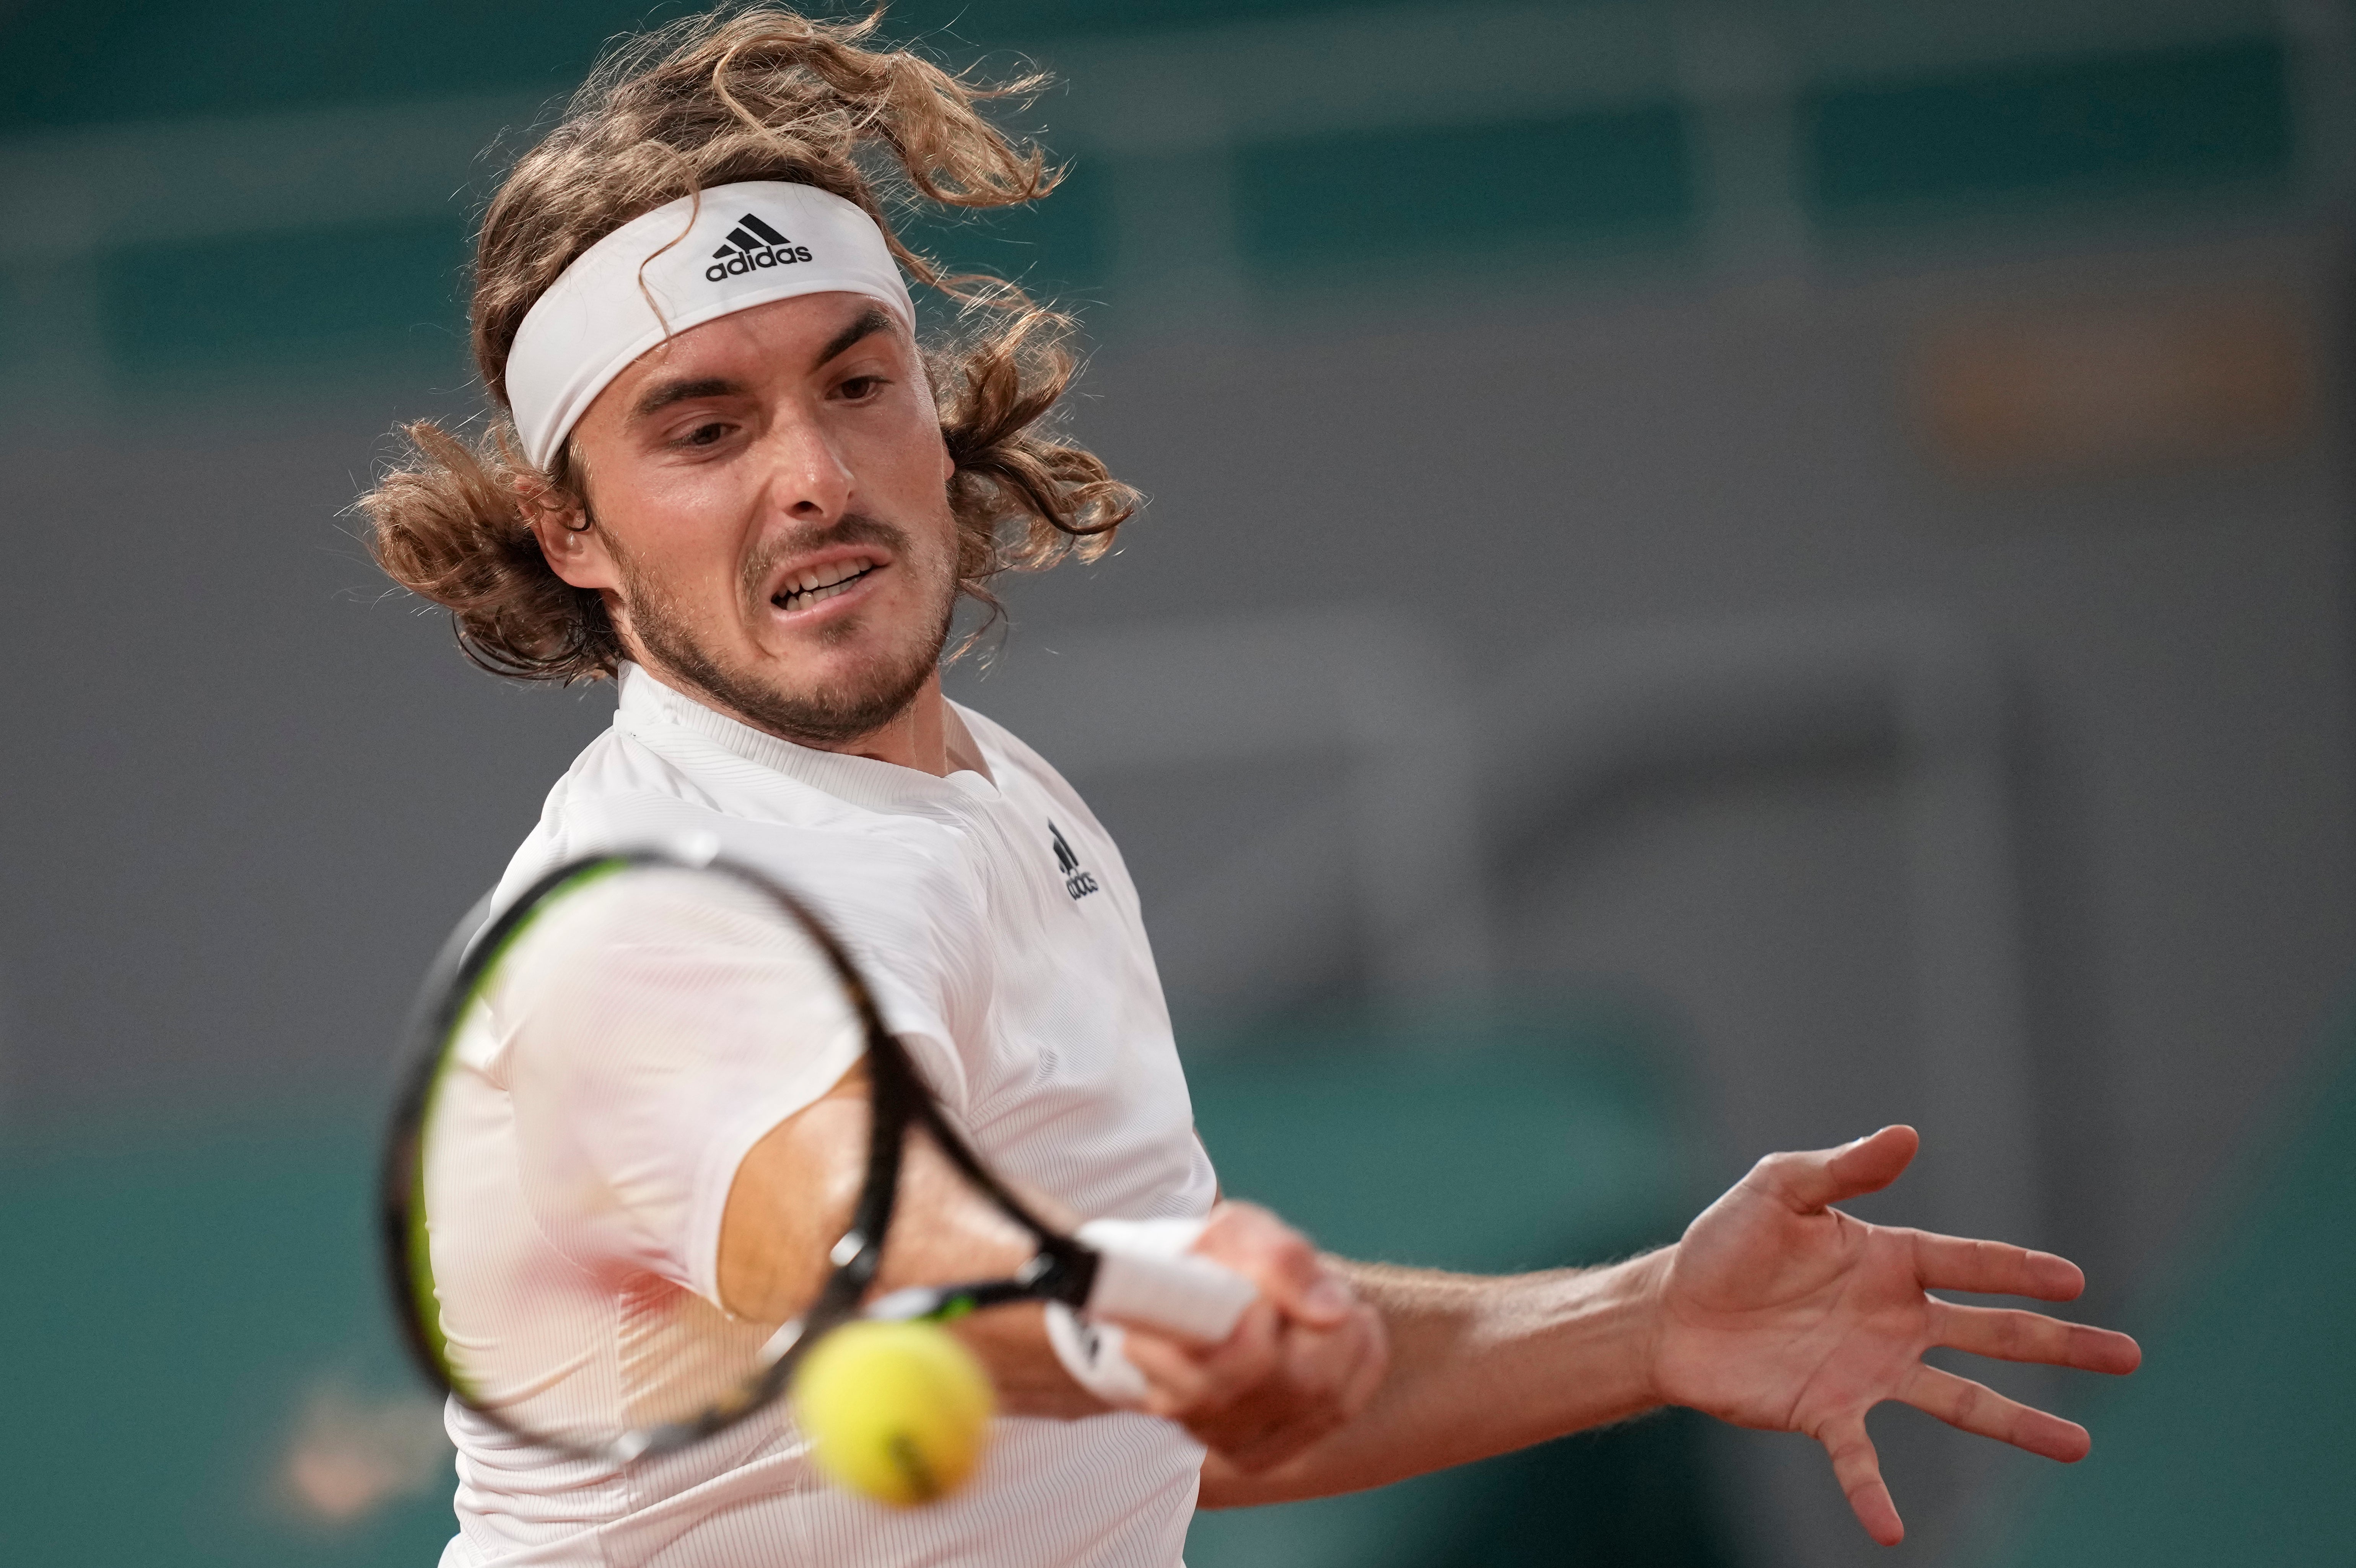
[1063,1269]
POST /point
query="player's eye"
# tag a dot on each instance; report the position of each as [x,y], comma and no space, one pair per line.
[858,389]
[703,434]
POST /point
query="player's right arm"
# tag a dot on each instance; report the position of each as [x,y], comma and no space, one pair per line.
[792,1199]
[694,1070]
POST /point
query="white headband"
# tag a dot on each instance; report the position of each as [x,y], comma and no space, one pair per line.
[748,244]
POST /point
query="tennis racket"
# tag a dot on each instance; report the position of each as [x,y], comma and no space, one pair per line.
[470,1271]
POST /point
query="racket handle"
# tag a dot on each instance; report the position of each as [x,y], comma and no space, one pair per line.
[1143,1277]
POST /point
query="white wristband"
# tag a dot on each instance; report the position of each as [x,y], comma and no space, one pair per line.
[1092,1353]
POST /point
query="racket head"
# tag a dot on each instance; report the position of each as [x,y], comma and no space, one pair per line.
[701,1370]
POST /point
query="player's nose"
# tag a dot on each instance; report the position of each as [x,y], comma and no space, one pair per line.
[807,477]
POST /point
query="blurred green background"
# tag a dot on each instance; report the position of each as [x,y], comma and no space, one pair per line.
[2113,120]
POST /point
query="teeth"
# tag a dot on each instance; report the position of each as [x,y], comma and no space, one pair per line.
[817,586]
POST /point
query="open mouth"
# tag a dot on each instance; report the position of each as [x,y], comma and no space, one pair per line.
[821,583]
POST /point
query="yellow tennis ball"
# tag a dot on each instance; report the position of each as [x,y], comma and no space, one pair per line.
[896,1411]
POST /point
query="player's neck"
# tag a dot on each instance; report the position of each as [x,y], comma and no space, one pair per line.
[926,735]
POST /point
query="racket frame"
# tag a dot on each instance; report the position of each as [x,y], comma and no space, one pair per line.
[1062,1270]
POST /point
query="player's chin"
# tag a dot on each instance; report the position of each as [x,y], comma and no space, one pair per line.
[857,673]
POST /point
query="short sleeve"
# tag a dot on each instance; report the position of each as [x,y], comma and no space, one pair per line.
[655,1026]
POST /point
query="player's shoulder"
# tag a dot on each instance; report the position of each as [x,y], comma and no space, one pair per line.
[637,785]
[618,785]
[626,790]
[621,766]
[1002,745]
[1008,751]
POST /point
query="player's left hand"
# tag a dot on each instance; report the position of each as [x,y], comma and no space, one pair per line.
[1778,1311]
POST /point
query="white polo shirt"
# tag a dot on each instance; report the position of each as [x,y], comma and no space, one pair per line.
[1001,934]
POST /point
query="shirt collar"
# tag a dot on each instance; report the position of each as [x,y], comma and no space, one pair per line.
[647,707]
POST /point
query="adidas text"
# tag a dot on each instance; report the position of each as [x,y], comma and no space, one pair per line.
[1076,882]
[745,262]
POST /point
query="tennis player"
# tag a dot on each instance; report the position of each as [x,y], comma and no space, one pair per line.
[732,476]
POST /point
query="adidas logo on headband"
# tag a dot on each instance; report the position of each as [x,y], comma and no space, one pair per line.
[753,244]
[660,274]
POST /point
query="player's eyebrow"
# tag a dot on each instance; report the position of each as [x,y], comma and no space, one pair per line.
[870,320]
[663,394]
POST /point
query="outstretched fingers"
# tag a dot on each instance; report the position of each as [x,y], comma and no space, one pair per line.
[2009,1334]
[1994,1268]
[1858,1467]
[1976,1408]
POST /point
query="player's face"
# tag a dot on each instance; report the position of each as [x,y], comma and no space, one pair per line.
[770,504]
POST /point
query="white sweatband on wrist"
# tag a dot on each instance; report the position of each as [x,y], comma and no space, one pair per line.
[692,261]
[1092,1352]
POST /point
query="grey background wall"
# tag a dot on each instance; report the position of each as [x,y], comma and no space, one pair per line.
[245,789]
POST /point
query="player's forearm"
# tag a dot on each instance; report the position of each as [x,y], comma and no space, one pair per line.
[792,1196]
[1479,1366]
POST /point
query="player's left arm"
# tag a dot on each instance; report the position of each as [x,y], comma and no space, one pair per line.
[1477,1365]
[1775,1310]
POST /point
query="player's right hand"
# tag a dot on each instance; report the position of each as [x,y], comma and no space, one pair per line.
[1305,1358]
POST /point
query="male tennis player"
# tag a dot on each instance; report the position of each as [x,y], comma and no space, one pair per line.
[737,483]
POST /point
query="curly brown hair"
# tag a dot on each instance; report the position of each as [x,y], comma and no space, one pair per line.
[729,96]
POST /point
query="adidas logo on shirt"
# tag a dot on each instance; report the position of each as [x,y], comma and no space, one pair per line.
[1076,882]
[753,244]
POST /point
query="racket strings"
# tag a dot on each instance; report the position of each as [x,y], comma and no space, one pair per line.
[535,1204]
[551,1216]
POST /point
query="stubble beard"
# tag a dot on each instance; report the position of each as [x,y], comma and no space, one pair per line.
[825,716]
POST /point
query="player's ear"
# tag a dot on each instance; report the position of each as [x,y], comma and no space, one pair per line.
[572,544]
